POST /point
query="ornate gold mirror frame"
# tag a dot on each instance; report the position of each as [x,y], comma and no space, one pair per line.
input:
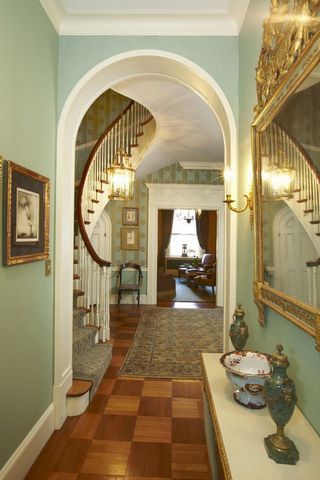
[290,51]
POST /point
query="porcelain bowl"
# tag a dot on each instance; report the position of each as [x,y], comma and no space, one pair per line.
[247,371]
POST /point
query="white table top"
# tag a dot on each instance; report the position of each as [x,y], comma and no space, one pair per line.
[243,431]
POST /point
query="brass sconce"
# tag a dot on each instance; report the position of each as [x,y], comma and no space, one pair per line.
[249,204]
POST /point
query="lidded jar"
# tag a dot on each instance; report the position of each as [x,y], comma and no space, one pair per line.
[280,395]
[238,331]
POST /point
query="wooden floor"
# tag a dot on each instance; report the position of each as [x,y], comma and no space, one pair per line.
[133,429]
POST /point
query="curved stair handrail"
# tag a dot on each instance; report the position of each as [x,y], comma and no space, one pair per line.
[305,188]
[123,131]
[92,273]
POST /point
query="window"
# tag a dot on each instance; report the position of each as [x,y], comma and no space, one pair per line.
[184,233]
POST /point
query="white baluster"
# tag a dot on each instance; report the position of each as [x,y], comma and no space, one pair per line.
[315,284]
[107,303]
[97,296]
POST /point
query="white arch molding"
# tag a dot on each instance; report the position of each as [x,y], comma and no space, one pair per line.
[103,76]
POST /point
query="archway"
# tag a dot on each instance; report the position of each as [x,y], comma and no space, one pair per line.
[103,76]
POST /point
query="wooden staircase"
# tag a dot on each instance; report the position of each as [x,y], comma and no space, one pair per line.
[303,195]
[132,131]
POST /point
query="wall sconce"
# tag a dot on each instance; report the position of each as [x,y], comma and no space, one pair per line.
[249,204]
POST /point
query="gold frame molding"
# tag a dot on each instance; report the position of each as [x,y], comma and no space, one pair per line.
[16,177]
[290,51]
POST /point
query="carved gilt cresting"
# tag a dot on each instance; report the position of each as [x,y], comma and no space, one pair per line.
[290,51]
[284,39]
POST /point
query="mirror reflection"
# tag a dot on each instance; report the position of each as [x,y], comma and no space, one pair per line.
[290,160]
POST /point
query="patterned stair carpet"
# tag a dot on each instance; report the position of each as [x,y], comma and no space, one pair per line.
[90,359]
[168,342]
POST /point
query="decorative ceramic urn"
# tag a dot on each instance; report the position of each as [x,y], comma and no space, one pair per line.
[238,329]
[281,398]
[247,371]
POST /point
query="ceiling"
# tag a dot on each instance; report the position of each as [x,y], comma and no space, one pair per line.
[187,129]
[146,17]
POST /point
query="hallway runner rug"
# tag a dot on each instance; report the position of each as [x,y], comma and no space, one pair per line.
[168,342]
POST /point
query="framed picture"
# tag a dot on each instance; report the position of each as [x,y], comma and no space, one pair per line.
[130,216]
[130,238]
[25,215]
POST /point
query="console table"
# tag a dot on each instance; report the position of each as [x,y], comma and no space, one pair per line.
[235,434]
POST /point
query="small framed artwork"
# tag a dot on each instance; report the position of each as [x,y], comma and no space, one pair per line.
[130,238]
[25,215]
[130,216]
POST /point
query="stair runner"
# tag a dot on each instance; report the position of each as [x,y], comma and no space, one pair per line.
[90,359]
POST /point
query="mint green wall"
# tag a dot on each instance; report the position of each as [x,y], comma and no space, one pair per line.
[28,85]
[300,347]
[217,55]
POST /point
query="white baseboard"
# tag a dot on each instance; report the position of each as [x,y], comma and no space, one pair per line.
[60,398]
[22,459]
[129,299]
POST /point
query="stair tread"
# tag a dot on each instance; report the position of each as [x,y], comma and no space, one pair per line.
[78,292]
[81,309]
[92,364]
[79,387]
[87,358]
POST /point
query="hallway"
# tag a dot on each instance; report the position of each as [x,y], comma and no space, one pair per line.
[133,428]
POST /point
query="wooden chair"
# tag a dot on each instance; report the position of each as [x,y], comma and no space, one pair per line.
[207,261]
[129,280]
[206,279]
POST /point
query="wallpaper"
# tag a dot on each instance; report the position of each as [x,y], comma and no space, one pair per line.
[171,174]
[101,114]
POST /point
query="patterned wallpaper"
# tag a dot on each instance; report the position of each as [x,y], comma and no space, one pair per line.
[101,114]
[172,174]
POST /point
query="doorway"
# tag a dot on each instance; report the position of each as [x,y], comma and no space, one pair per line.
[184,236]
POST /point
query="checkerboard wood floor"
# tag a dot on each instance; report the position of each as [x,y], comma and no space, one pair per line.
[134,428]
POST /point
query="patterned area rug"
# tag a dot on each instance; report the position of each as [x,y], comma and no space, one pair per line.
[168,342]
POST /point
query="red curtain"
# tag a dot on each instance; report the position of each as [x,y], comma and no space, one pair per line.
[165,221]
[206,224]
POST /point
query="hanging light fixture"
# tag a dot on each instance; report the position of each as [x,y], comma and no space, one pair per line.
[121,176]
[280,175]
[188,218]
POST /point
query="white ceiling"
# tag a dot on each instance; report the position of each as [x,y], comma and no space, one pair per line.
[146,17]
[187,129]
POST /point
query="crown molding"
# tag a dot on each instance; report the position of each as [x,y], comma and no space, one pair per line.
[202,165]
[162,22]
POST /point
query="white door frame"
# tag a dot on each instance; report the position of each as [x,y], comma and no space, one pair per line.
[101,77]
[171,196]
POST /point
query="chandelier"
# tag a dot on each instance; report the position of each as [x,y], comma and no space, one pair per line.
[188,218]
[120,177]
[279,175]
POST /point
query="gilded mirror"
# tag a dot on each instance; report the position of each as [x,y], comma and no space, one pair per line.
[286,152]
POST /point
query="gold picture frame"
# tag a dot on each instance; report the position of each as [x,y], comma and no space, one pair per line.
[130,216]
[25,215]
[282,68]
[130,238]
